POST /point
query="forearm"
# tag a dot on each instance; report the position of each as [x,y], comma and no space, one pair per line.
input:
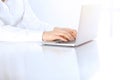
[10,33]
[31,21]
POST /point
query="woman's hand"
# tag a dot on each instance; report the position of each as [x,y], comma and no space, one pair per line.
[62,34]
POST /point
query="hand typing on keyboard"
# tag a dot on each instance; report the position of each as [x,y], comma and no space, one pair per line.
[60,35]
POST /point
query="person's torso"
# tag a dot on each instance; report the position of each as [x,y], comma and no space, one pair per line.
[11,11]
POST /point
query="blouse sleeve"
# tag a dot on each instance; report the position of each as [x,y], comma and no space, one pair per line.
[30,28]
[31,21]
[12,33]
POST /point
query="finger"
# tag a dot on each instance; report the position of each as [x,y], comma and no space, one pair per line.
[65,34]
[71,31]
[60,38]
[74,33]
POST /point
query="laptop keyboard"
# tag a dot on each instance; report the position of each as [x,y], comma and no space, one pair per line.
[59,41]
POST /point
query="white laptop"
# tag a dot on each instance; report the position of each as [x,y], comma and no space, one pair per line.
[87,28]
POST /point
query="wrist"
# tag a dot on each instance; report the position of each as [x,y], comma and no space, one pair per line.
[43,36]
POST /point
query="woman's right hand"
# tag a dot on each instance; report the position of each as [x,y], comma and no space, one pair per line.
[62,34]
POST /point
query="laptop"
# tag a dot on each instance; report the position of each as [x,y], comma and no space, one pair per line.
[87,27]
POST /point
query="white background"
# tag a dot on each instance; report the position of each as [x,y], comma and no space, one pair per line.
[63,13]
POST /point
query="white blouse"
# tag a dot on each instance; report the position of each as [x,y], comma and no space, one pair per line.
[19,23]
